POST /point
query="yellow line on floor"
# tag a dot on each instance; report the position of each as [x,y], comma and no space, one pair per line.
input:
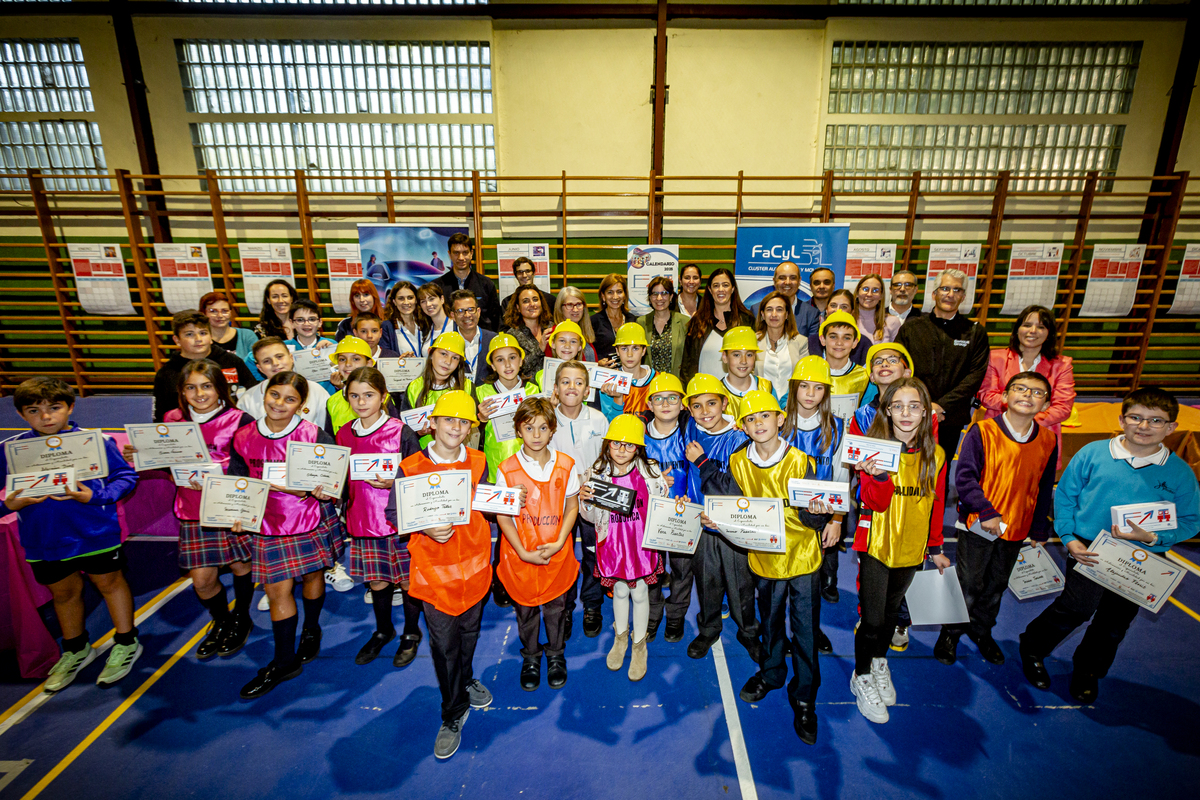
[114,716]
[1173,555]
[1185,609]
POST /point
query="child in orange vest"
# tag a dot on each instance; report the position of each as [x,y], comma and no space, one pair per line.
[537,557]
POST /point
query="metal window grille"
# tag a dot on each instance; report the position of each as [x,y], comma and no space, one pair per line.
[353,2]
[43,76]
[65,147]
[982,77]
[426,157]
[1042,157]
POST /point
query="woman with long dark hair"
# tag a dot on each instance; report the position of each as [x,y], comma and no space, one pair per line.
[720,309]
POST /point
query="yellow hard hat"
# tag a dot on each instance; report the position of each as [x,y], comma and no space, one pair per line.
[457,404]
[452,342]
[351,344]
[841,317]
[813,368]
[631,333]
[703,383]
[502,340]
[876,349]
[567,326]
[664,382]
[741,338]
[627,428]
[757,400]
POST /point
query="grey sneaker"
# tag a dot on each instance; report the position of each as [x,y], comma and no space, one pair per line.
[120,662]
[480,696]
[449,736]
[68,666]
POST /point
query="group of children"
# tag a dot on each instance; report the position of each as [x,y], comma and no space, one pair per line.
[716,436]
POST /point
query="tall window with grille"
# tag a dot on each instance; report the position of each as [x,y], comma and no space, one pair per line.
[47,119]
[343,111]
[1048,111]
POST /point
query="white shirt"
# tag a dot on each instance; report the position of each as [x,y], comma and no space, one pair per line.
[200,419]
[270,434]
[411,337]
[473,353]
[776,364]
[358,428]
[1020,437]
[710,355]
[539,473]
[436,459]
[1117,449]
[775,457]
[581,438]
[313,409]
[893,312]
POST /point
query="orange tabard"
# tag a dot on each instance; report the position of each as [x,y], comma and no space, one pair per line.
[456,575]
[1010,475]
[539,523]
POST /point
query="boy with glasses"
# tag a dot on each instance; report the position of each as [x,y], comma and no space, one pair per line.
[1134,467]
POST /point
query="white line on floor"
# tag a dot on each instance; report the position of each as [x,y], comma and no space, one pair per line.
[741,759]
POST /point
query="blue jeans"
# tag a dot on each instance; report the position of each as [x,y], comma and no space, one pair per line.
[800,599]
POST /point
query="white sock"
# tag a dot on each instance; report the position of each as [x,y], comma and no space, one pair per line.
[621,607]
[641,610]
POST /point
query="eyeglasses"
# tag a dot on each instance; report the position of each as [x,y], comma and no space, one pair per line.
[572,306]
[1156,423]
[462,312]
[906,409]
[950,290]
[627,447]
[868,290]
[666,400]
[1038,393]
[891,361]
[306,320]
[660,294]
[903,285]
[524,273]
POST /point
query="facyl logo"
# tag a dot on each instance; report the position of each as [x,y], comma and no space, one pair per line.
[811,254]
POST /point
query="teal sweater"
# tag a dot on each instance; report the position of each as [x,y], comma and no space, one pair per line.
[1094,481]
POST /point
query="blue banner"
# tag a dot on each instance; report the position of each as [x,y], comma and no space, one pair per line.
[761,248]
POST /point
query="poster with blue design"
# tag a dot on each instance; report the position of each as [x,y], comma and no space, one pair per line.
[762,248]
[644,263]
[390,253]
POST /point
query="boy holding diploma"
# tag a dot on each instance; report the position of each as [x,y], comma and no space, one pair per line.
[1005,480]
[1133,467]
[788,583]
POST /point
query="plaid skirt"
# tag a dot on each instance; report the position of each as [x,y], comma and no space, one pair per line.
[278,558]
[651,579]
[211,547]
[383,558]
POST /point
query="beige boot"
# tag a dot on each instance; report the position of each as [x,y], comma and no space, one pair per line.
[616,656]
[637,661]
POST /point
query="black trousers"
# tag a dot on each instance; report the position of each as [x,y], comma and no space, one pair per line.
[949,432]
[1082,599]
[796,601]
[452,641]
[723,570]
[588,586]
[880,593]
[529,624]
[983,569]
[683,577]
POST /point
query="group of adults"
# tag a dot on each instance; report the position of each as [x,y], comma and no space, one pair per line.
[685,326]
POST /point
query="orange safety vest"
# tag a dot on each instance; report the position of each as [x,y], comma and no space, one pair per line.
[456,575]
[538,523]
[1011,473]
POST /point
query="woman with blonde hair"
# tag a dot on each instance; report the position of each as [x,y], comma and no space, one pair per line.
[571,306]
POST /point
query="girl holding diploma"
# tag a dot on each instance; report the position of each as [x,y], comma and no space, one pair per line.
[204,398]
[631,347]
[621,563]
[445,371]
[505,356]
[301,537]
[451,571]
[905,526]
[377,554]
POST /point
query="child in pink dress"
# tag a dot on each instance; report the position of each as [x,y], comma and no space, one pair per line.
[621,563]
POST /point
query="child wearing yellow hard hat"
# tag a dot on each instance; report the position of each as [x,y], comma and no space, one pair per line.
[631,347]
[739,352]
[505,359]
[445,371]
[839,336]
[666,445]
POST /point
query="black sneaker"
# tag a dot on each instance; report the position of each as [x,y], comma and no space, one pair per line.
[269,677]
[371,650]
[211,644]
[235,635]
[409,643]
[804,721]
[674,632]
[700,646]
[310,644]
[531,674]
[593,622]
[821,642]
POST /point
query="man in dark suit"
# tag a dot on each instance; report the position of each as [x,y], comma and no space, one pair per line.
[462,276]
[523,271]
[464,307]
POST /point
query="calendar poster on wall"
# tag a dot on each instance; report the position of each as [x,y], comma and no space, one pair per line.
[1112,280]
[1033,271]
[1187,291]
[185,274]
[100,278]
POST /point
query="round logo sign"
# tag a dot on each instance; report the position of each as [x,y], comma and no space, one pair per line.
[435,479]
[161,430]
[54,441]
[1140,555]
[1020,558]
[680,507]
[319,450]
[241,483]
[743,504]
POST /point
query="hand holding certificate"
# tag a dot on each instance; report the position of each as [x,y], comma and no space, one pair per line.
[1035,574]
[1129,570]
[312,364]
[166,444]
[417,418]
[226,500]
[755,523]
[183,476]
[310,465]
[433,500]
[802,492]
[857,449]
[672,525]
[398,373]
[41,484]
[373,466]
[82,451]
[614,378]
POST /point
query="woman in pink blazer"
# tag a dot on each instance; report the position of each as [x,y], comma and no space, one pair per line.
[1032,347]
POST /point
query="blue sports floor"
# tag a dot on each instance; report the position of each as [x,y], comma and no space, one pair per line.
[176,728]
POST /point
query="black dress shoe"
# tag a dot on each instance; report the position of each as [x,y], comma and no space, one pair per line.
[211,644]
[758,653]
[310,644]
[568,627]
[989,649]
[1035,671]
[824,646]
[651,633]
[1085,687]
[500,595]
[235,635]
[755,689]
[804,720]
[269,677]
[370,651]
[946,648]
[409,643]
[700,646]
[674,632]
[830,594]
[593,621]
[556,672]
[531,674]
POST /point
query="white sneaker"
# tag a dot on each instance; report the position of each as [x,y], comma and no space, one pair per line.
[397,598]
[900,639]
[367,597]
[339,579]
[68,666]
[264,603]
[869,703]
[883,681]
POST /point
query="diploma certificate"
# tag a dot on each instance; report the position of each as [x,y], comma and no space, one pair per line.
[620,381]
[183,476]
[843,405]
[310,465]
[550,376]
[313,364]
[611,497]
[495,500]
[432,500]
[81,450]
[275,473]
[755,523]
[800,492]
[41,484]
[1035,574]
[164,445]
[1127,569]
[370,466]
[398,373]
[227,499]
[417,418]
[672,525]
[857,449]
[506,402]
